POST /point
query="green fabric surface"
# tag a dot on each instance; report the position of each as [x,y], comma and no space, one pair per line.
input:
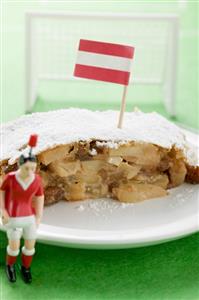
[167,271]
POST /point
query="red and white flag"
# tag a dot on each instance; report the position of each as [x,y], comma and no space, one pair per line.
[104,61]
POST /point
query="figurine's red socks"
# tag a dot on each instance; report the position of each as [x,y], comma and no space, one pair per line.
[10,260]
[26,260]
[26,257]
[11,256]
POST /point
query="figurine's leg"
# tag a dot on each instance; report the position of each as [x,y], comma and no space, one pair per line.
[28,250]
[12,252]
[27,253]
[14,235]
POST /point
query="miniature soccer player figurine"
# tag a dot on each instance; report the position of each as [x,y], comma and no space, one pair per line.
[21,204]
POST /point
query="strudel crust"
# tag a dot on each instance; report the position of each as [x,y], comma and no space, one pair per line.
[129,170]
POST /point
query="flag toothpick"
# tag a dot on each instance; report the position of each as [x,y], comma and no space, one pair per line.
[108,62]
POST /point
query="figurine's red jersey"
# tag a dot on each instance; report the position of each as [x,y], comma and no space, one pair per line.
[18,198]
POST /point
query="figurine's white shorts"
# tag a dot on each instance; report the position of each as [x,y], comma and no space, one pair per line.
[21,226]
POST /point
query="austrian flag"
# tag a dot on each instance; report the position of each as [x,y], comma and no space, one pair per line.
[104,61]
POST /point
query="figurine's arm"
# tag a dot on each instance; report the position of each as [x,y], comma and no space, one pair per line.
[38,204]
[3,212]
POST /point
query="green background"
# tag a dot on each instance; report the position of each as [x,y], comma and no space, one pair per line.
[167,271]
[13,60]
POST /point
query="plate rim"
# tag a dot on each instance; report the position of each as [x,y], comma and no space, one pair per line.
[118,240]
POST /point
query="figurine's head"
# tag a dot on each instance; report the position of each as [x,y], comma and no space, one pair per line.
[24,158]
[28,168]
[27,162]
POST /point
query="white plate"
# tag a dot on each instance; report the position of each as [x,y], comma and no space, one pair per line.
[108,224]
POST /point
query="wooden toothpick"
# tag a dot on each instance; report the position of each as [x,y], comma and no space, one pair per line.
[122,108]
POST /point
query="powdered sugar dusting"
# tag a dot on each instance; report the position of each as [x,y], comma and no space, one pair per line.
[192,153]
[97,206]
[180,197]
[93,152]
[71,125]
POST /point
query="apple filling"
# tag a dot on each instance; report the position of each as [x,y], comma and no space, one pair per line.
[130,173]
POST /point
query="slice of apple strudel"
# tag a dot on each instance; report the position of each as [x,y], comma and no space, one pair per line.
[82,154]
